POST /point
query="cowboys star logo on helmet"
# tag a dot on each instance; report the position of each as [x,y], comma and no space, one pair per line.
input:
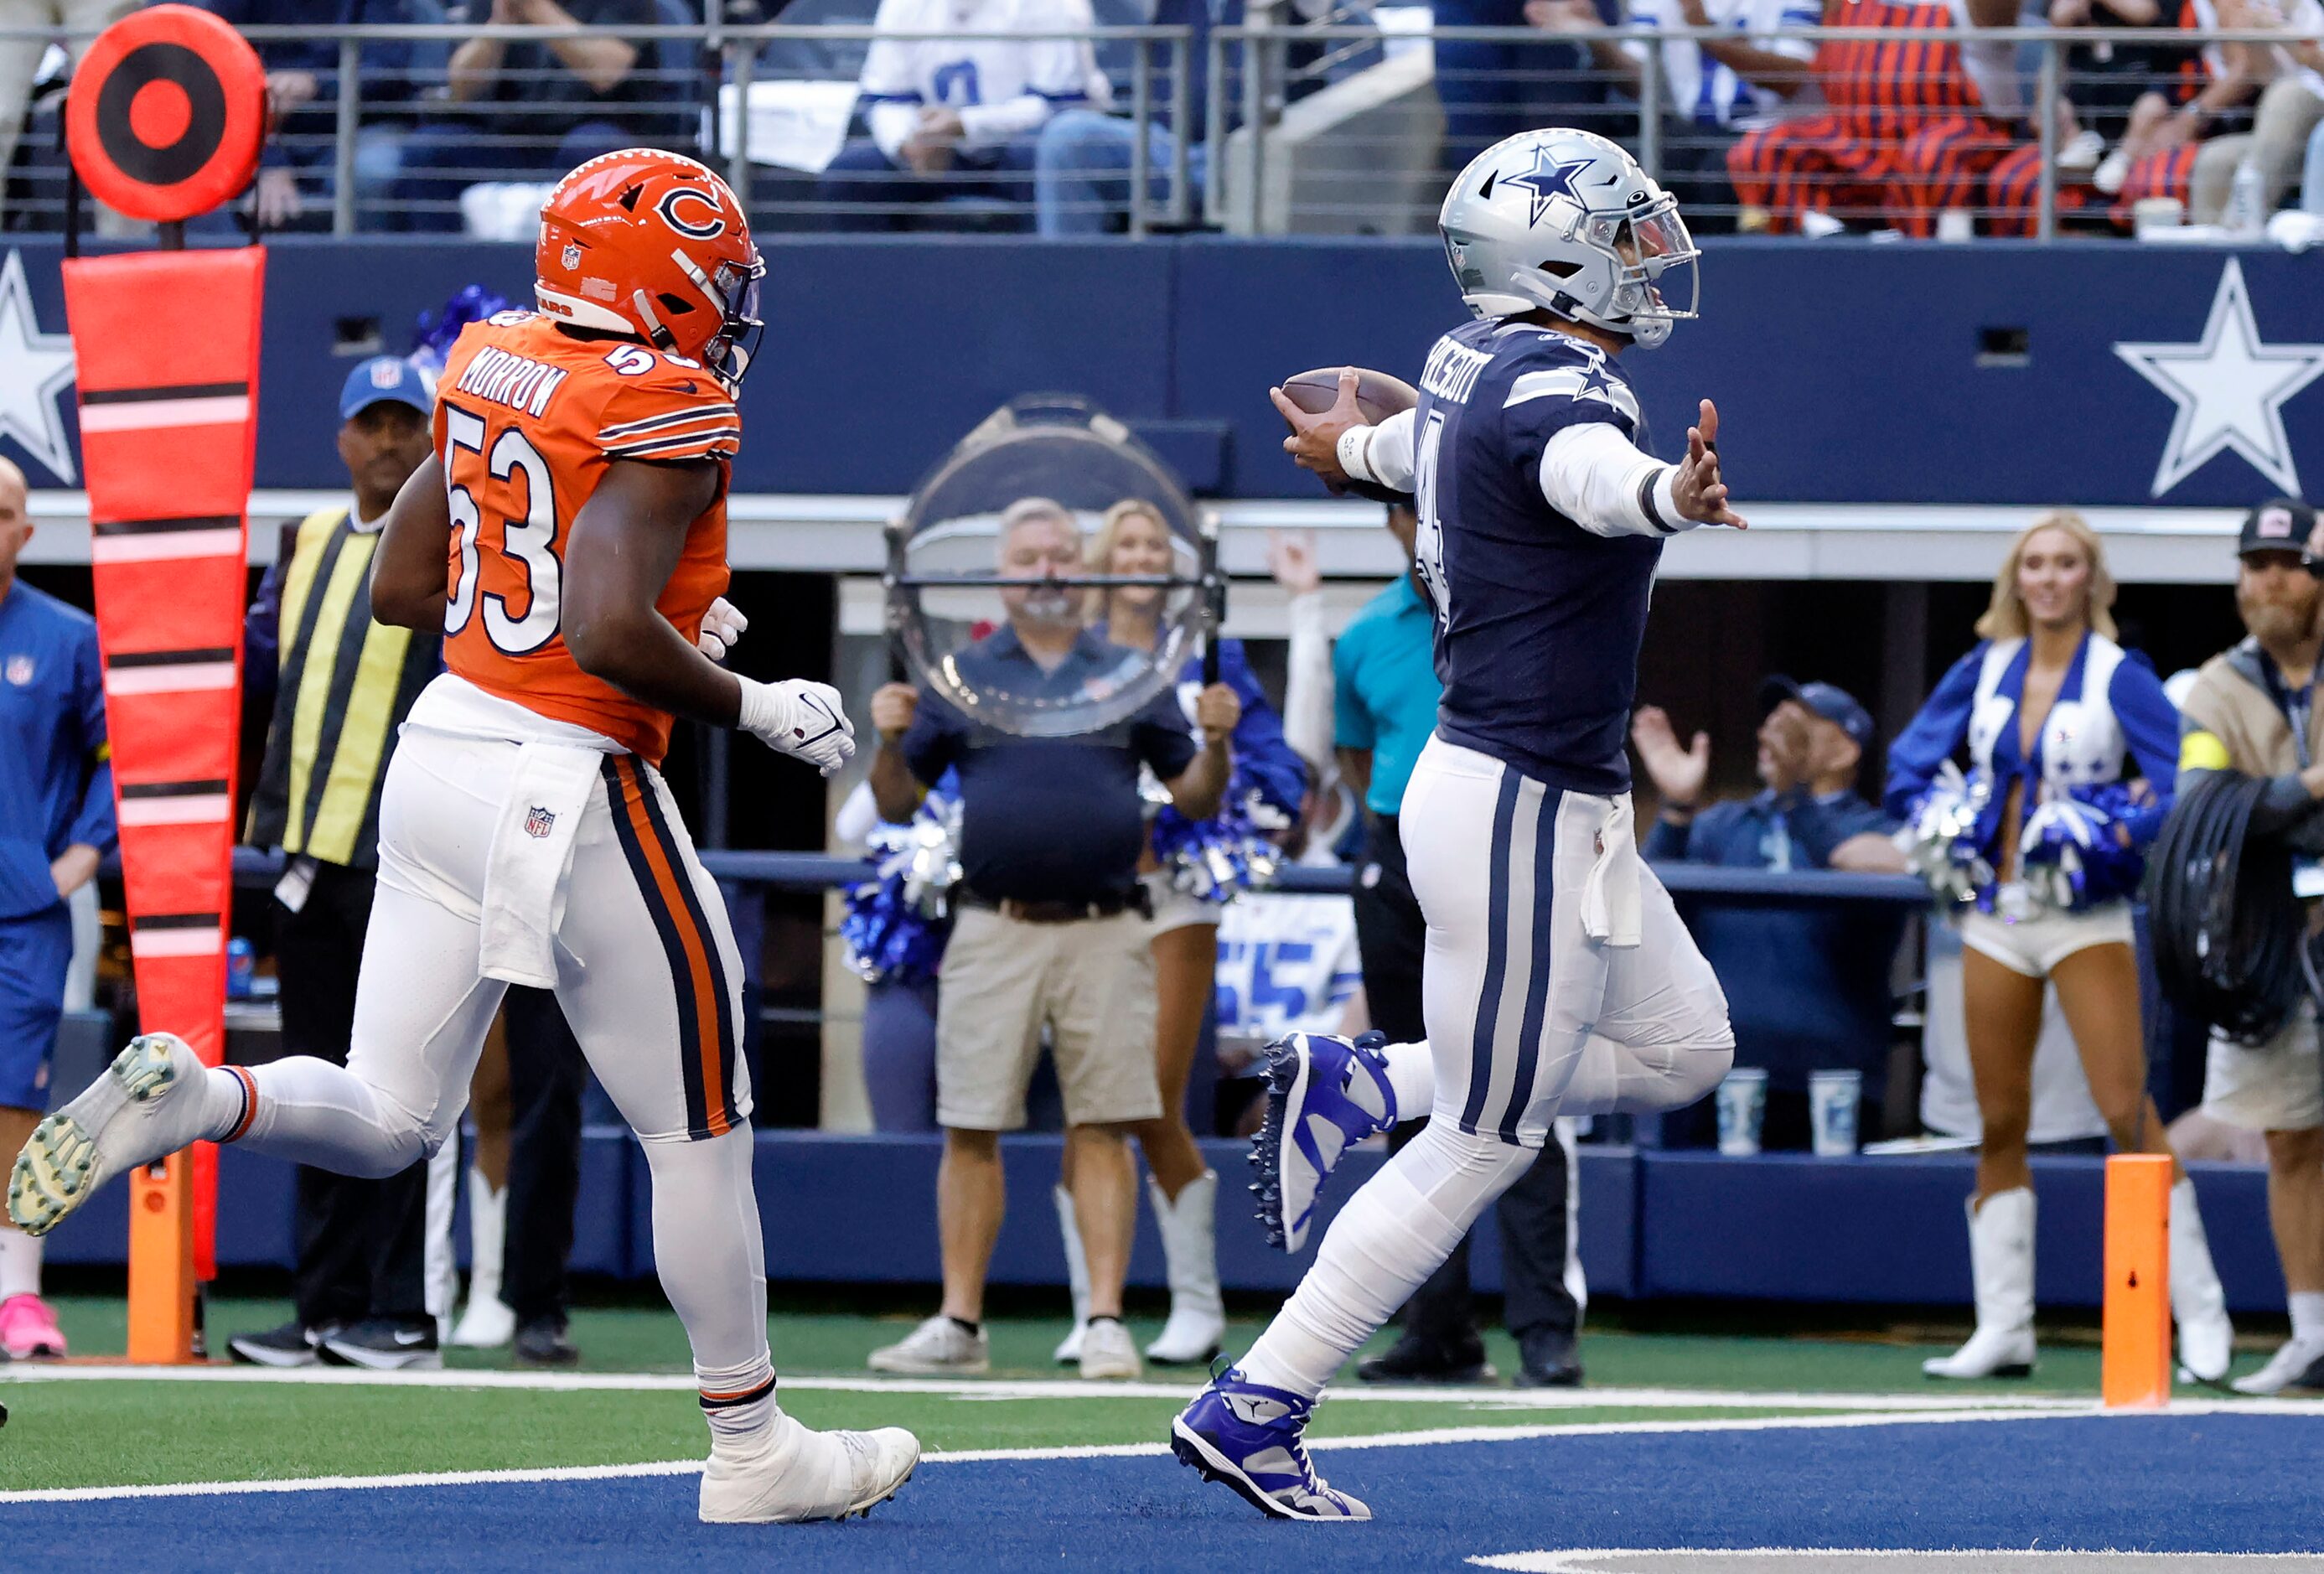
[1549,177]
[653,246]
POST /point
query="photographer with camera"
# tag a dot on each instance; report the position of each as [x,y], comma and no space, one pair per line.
[2250,712]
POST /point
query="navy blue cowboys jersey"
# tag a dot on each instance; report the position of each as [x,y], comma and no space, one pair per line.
[1538,621]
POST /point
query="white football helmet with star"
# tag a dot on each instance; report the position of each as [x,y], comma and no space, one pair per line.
[1565,221]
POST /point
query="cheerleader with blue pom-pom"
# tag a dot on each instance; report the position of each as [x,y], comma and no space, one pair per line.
[1193,867]
[2037,849]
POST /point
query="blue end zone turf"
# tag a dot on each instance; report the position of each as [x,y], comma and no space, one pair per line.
[2169,1483]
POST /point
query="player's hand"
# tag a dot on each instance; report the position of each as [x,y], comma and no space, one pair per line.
[800,718]
[74,867]
[1314,440]
[893,706]
[925,155]
[1291,558]
[722,625]
[287,90]
[1678,774]
[276,198]
[939,125]
[1702,495]
[1217,711]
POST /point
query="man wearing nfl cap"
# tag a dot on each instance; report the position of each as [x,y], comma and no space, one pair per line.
[341,684]
[1807,988]
[2250,710]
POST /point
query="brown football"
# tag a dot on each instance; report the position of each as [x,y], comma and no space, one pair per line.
[1378,397]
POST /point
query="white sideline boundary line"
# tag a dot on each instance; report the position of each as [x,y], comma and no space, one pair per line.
[1008,1389]
[1478,1434]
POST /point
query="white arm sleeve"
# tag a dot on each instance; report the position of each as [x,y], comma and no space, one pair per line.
[1597,477]
[1381,454]
[1308,682]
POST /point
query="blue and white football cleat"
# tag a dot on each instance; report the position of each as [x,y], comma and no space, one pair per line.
[1324,1096]
[1251,1438]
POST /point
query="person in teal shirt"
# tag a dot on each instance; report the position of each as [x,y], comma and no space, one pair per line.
[1384,695]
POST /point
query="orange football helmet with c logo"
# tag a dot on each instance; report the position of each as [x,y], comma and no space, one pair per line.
[655,246]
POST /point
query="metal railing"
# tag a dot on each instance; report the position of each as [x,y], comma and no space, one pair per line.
[1331,127]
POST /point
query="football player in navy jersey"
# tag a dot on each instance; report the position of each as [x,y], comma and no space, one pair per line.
[1558,978]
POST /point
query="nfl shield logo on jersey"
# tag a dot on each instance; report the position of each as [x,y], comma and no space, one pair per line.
[20,670]
[539,823]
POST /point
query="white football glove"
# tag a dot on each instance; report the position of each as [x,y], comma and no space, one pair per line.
[798,718]
[722,625]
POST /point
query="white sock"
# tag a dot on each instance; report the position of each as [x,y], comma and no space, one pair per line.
[1394,1231]
[2308,1317]
[1412,1077]
[712,1260]
[20,1263]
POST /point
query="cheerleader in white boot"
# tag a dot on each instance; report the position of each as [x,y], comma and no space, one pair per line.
[2047,839]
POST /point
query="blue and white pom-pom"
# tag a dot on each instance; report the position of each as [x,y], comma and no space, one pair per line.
[1212,860]
[898,921]
[432,342]
[2071,849]
[1939,837]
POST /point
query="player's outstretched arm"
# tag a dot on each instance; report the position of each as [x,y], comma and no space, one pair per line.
[408,581]
[1698,488]
[625,545]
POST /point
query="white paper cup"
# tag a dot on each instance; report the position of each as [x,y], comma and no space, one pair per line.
[1833,1099]
[2153,213]
[1742,1105]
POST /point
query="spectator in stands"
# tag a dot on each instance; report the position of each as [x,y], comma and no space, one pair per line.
[2162,142]
[2048,707]
[56,824]
[1717,90]
[1050,930]
[2289,77]
[20,58]
[1082,158]
[2104,81]
[1385,692]
[298,174]
[2249,710]
[1491,90]
[1913,127]
[1807,988]
[1134,539]
[538,108]
[955,119]
[342,683]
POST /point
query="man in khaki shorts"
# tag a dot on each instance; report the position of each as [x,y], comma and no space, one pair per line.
[1050,931]
[2251,710]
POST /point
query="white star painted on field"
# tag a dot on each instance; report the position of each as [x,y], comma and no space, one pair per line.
[35,370]
[2230,389]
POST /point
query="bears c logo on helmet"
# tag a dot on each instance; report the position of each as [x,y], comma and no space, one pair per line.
[668,208]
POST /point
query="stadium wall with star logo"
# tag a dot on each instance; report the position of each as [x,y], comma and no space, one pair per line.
[1846,372]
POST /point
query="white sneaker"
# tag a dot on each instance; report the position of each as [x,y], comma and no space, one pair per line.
[797,1474]
[2081,153]
[2300,1364]
[1107,1351]
[1069,1348]
[146,1106]
[486,1324]
[938,1347]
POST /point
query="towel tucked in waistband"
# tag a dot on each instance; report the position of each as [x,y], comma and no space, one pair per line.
[531,853]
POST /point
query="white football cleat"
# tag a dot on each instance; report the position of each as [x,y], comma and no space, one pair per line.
[146,1106]
[797,1474]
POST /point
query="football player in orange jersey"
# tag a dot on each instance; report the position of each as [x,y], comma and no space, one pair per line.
[569,537]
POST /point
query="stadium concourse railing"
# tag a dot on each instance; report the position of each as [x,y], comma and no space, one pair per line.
[1341,126]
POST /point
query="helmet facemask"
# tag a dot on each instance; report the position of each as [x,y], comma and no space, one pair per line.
[1646,246]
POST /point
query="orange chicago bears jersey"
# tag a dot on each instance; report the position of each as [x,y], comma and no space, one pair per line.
[527,421]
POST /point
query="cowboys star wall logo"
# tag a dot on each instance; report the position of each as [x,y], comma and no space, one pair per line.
[2230,388]
[36,369]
